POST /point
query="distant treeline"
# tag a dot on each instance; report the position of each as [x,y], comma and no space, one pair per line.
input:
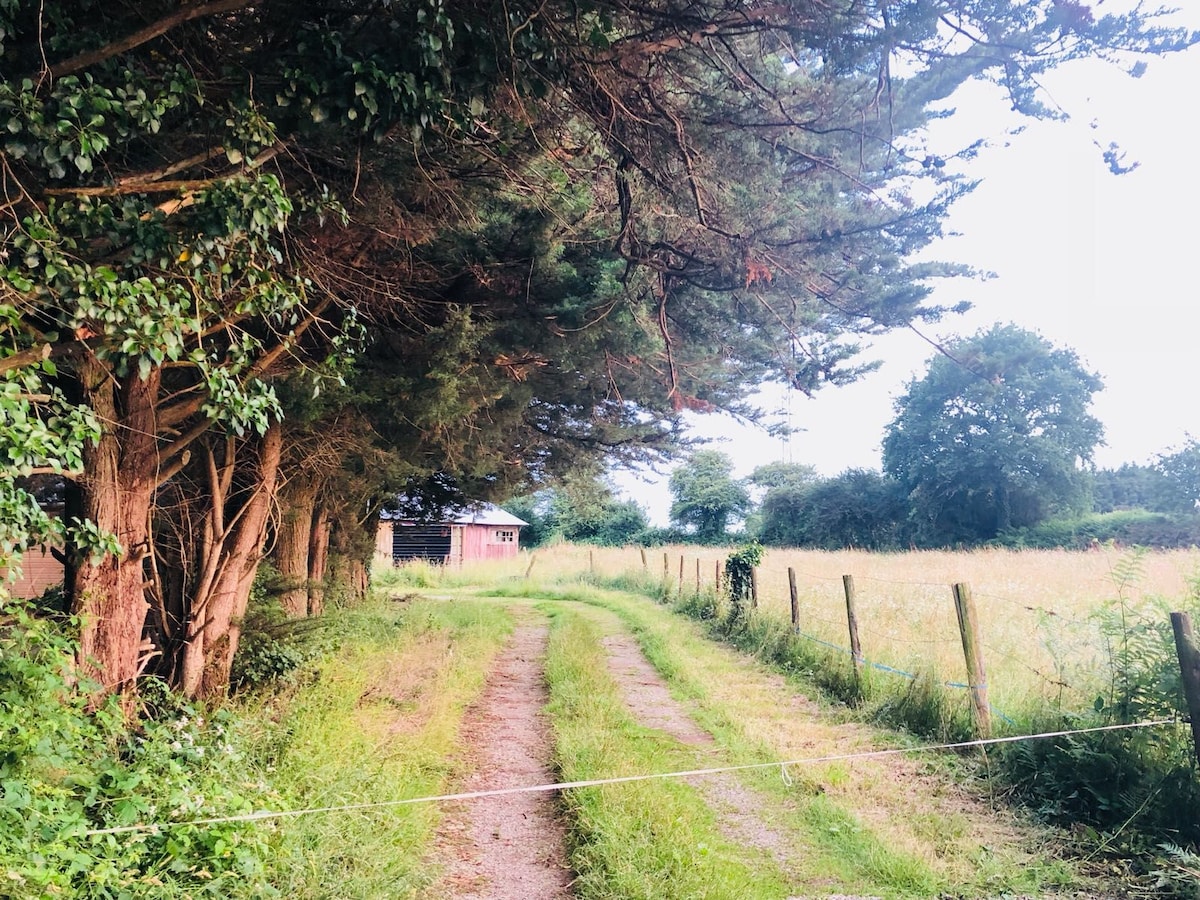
[1134,505]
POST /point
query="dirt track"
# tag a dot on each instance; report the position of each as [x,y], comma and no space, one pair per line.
[509,847]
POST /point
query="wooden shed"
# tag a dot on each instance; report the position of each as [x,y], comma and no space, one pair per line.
[40,568]
[479,531]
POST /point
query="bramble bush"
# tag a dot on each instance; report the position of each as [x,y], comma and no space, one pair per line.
[67,770]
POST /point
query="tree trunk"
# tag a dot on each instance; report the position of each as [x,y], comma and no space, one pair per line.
[359,580]
[107,590]
[236,532]
[318,556]
[1004,508]
[292,543]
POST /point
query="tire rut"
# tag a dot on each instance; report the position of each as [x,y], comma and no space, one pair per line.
[510,847]
[649,700]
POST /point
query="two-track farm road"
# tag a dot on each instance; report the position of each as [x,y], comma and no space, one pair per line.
[509,847]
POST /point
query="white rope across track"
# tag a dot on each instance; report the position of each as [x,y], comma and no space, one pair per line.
[782,765]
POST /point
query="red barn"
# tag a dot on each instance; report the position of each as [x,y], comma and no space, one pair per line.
[479,531]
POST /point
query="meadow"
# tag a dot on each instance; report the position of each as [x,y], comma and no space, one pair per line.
[1048,618]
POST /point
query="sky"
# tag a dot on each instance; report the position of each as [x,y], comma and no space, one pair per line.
[1100,263]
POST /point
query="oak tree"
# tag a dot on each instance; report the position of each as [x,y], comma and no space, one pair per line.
[995,435]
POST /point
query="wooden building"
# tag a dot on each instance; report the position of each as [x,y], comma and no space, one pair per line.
[40,568]
[479,531]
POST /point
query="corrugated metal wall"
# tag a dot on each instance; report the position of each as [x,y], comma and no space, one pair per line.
[431,542]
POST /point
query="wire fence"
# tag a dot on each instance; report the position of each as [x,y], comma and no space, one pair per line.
[1041,616]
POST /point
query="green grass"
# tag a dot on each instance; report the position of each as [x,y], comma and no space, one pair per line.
[380,724]
[917,849]
[651,839]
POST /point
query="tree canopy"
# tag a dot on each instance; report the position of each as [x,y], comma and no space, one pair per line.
[504,234]
[706,498]
[994,435]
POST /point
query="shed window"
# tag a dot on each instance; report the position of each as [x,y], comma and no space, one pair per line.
[505,535]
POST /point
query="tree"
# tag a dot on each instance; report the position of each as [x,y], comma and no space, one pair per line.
[780,475]
[581,507]
[995,435]
[1133,486]
[1180,468]
[707,496]
[529,204]
[859,508]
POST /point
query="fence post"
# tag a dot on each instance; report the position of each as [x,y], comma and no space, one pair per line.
[754,587]
[697,576]
[852,622]
[680,574]
[968,626]
[717,576]
[532,560]
[666,571]
[1189,669]
[592,562]
[645,565]
[795,597]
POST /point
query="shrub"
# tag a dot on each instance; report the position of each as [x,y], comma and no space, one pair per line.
[66,770]
[1129,527]
[274,645]
[739,573]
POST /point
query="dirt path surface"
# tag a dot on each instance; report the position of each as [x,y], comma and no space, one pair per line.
[649,700]
[510,847]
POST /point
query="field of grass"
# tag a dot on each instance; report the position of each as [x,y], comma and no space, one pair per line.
[1041,612]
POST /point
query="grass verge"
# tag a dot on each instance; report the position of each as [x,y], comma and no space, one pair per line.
[380,724]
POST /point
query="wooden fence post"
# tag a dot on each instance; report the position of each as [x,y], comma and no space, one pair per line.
[680,574]
[697,576]
[532,560]
[754,587]
[645,565]
[968,626]
[666,570]
[795,598]
[1189,669]
[592,562]
[717,576]
[852,622]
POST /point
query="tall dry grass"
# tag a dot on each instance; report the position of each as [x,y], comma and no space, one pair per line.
[1037,608]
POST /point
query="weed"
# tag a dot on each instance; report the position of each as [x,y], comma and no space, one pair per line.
[66,769]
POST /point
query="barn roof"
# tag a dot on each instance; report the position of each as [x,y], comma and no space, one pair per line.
[472,514]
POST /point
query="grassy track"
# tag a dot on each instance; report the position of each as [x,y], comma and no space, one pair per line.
[380,724]
[894,829]
[650,839]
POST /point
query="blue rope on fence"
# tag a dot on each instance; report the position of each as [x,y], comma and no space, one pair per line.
[894,671]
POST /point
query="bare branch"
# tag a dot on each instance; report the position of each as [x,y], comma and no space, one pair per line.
[150,32]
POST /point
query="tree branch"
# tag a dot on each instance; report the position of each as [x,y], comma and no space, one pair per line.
[149,33]
[28,357]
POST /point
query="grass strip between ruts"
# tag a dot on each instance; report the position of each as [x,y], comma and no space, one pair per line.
[650,839]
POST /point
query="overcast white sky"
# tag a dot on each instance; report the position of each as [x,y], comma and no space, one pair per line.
[1104,264]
